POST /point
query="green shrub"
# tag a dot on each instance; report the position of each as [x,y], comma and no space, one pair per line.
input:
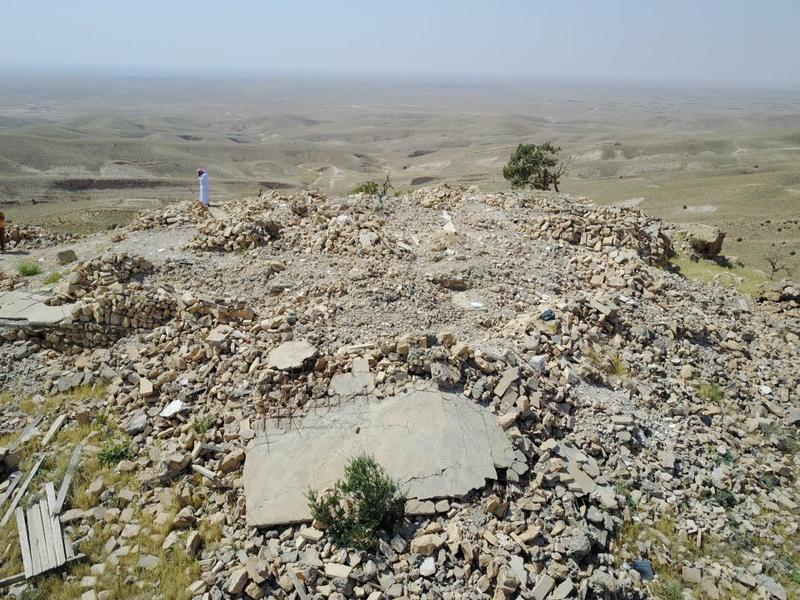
[54,277]
[365,502]
[711,392]
[114,452]
[370,188]
[725,498]
[670,589]
[202,425]
[536,166]
[28,269]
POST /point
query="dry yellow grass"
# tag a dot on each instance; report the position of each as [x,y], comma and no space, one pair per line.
[745,279]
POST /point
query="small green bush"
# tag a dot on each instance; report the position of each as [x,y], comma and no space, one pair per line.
[114,452]
[369,188]
[54,277]
[725,498]
[365,502]
[202,425]
[669,589]
[28,269]
[711,392]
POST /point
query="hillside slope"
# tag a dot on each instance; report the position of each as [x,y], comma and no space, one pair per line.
[653,419]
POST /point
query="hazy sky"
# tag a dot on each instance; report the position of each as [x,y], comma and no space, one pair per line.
[699,41]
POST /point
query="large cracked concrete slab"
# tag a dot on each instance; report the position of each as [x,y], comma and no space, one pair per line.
[21,309]
[436,444]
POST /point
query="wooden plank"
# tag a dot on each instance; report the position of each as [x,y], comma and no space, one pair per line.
[47,531]
[69,551]
[12,580]
[34,523]
[28,432]
[14,479]
[55,523]
[53,429]
[21,492]
[24,546]
[62,492]
[35,513]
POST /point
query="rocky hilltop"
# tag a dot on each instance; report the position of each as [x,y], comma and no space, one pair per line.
[649,440]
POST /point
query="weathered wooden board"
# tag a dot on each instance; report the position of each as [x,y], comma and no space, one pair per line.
[13,479]
[21,492]
[25,548]
[47,533]
[28,432]
[53,429]
[38,554]
[55,523]
[62,492]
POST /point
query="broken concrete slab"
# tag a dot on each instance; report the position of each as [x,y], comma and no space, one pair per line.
[435,444]
[352,384]
[21,309]
[291,355]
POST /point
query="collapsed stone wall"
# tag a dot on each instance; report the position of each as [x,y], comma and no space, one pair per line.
[28,237]
[601,228]
[176,215]
[91,275]
[444,196]
[239,232]
[109,305]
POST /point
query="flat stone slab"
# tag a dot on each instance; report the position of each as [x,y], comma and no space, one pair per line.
[352,384]
[291,355]
[435,444]
[20,309]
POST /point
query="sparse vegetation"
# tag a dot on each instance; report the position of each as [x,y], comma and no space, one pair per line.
[373,188]
[535,166]
[711,392]
[725,498]
[52,278]
[365,502]
[744,279]
[669,589]
[28,269]
[611,364]
[776,265]
[114,452]
[370,188]
[385,187]
[202,425]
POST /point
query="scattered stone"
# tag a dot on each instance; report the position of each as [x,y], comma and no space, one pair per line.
[291,355]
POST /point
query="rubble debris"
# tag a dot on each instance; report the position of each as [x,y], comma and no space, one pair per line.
[643,416]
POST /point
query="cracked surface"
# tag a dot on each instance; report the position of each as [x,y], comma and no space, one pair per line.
[436,444]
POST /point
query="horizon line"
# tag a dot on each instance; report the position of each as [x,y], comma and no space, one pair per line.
[405,77]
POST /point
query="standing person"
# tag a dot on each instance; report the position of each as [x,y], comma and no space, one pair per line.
[205,190]
[2,231]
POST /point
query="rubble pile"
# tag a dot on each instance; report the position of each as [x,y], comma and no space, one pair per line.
[243,231]
[653,419]
[88,276]
[783,296]
[10,281]
[600,228]
[444,196]
[174,215]
[358,234]
[30,237]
